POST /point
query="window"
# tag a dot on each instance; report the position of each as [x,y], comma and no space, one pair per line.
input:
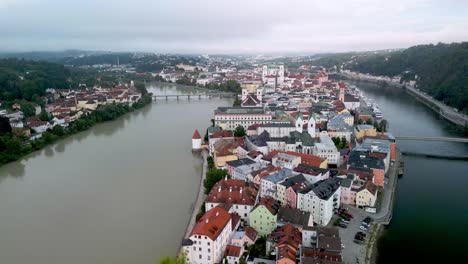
[200,256]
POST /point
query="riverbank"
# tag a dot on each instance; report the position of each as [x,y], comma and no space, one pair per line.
[17,147]
[442,109]
[200,199]
[385,214]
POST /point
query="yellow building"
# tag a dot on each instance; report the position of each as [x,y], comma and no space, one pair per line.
[367,195]
[225,150]
[361,131]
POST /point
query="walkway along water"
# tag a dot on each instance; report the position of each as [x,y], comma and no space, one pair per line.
[444,110]
[201,194]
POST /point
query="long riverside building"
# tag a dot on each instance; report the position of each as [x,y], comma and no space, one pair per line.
[232,117]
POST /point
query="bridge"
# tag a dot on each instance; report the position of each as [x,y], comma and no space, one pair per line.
[197,95]
[448,139]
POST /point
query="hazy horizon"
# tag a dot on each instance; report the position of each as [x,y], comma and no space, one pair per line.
[229,27]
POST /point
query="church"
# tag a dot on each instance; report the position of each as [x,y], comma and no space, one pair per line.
[273,75]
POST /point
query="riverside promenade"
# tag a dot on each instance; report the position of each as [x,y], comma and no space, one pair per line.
[200,199]
[444,110]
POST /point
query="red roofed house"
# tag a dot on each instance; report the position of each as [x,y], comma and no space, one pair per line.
[210,236]
[237,193]
[217,136]
[286,241]
[233,254]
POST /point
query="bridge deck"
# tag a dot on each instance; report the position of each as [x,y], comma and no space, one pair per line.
[449,139]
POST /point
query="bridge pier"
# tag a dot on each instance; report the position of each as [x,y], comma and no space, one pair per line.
[177,98]
[189,97]
[167,97]
[199,96]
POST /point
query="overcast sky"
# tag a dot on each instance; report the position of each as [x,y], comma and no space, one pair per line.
[229,26]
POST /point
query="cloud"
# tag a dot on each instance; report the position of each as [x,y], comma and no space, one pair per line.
[229,26]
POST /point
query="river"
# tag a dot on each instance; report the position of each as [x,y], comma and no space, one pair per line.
[118,193]
[431,207]
[122,191]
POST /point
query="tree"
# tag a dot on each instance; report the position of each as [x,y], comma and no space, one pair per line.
[5,126]
[343,143]
[58,130]
[237,102]
[239,131]
[44,116]
[173,260]
[13,146]
[28,109]
[369,121]
[336,140]
[212,177]
[210,162]
[383,125]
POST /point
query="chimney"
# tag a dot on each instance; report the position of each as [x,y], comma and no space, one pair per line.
[219,188]
[225,178]
[230,189]
[217,213]
[207,220]
[240,190]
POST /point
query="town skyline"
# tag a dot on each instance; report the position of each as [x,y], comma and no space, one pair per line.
[241,27]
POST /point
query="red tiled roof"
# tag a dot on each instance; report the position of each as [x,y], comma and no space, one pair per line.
[251,233]
[196,135]
[222,134]
[270,203]
[231,191]
[212,223]
[233,251]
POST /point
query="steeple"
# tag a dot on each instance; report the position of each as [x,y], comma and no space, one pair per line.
[299,122]
[311,125]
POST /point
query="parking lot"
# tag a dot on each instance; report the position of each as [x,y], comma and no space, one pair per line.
[353,253]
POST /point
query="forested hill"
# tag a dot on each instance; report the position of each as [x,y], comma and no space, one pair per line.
[440,70]
[24,79]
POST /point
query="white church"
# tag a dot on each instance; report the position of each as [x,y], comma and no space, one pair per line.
[273,75]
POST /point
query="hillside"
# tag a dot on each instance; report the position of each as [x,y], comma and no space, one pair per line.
[23,79]
[440,70]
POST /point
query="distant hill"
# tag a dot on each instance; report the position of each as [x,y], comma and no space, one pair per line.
[440,70]
[26,79]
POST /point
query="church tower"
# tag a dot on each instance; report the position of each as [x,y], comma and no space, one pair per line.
[260,94]
[342,91]
[245,92]
[311,126]
[299,122]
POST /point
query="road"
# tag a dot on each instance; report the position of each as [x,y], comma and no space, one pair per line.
[446,110]
[355,253]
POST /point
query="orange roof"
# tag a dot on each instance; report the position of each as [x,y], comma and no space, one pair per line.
[231,191]
[212,223]
[196,135]
[232,251]
[222,134]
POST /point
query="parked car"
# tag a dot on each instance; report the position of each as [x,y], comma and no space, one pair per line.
[358,241]
[344,221]
[366,225]
[348,215]
[361,234]
[359,237]
[345,217]
[363,228]
[342,225]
